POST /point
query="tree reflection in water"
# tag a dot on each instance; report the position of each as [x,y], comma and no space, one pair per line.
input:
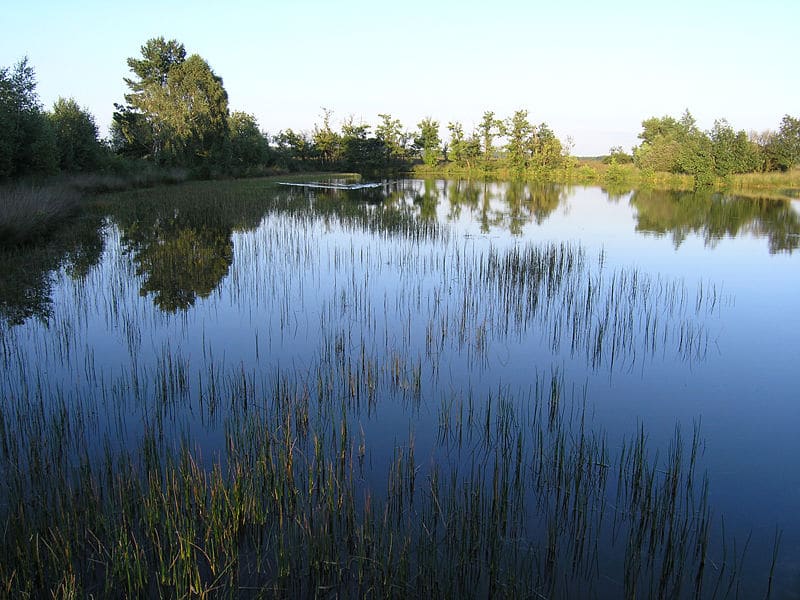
[715,216]
[27,273]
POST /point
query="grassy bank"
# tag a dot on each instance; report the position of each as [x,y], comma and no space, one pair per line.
[28,212]
[33,210]
[777,185]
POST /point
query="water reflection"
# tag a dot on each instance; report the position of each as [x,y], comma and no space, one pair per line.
[511,206]
[716,216]
[346,321]
[180,241]
[27,274]
[181,244]
[178,266]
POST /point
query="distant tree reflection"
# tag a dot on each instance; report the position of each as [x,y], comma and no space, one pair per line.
[715,216]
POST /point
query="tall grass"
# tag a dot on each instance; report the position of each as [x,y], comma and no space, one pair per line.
[350,441]
[544,506]
[28,212]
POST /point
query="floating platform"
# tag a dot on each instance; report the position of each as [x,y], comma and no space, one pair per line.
[336,186]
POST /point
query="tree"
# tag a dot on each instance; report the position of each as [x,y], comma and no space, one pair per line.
[732,151]
[177,106]
[248,145]
[488,129]
[696,157]
[618,155]
[326,141]
[137,129]
[547,149]
[390,132]
[193,111]
[293,147]
[457,143]
[131,133]
[361,153]
[427,141]
[27,143]
[76,136]
[785,146]
[675,146]
[519,145]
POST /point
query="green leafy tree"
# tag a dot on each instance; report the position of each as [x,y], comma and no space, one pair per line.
[519,145]
[547,150]
[723,142]
[131,133]
[472,150]
[659,155]
[489,129]
[137,129]
[27,142]
[733,152]
[696,158]
[675,146]
[177,107]
[618,155]
[193,111]
[294,148]
[785,145]
[361,153]
[326,141]
[660,145]
[248,145]
[76,136]
[390,132]
[427,141]
[457,143]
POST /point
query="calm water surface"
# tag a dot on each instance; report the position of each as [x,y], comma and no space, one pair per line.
[695,321]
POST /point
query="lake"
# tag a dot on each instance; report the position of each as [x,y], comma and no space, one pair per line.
[529,382]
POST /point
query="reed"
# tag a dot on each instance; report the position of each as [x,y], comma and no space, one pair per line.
[350,442]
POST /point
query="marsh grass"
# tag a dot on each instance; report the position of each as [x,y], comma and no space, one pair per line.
[338,448]
[776,181]
[285,509]
[29,212]
[775,184]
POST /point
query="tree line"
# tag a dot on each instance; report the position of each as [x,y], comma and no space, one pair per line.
[176,114]
[679,146]
[34,141]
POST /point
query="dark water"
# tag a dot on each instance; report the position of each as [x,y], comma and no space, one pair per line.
[164,294]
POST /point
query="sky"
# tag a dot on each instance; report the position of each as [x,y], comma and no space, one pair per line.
[592,70]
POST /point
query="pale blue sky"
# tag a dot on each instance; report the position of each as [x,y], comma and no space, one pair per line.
[591,70]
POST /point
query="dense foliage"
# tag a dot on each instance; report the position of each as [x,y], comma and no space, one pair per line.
[176,115]
[27,142]
[679,146]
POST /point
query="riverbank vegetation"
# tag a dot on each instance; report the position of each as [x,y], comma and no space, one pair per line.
[175,123]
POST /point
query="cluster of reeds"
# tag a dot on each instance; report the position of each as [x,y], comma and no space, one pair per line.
[514,498]
[340,446]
